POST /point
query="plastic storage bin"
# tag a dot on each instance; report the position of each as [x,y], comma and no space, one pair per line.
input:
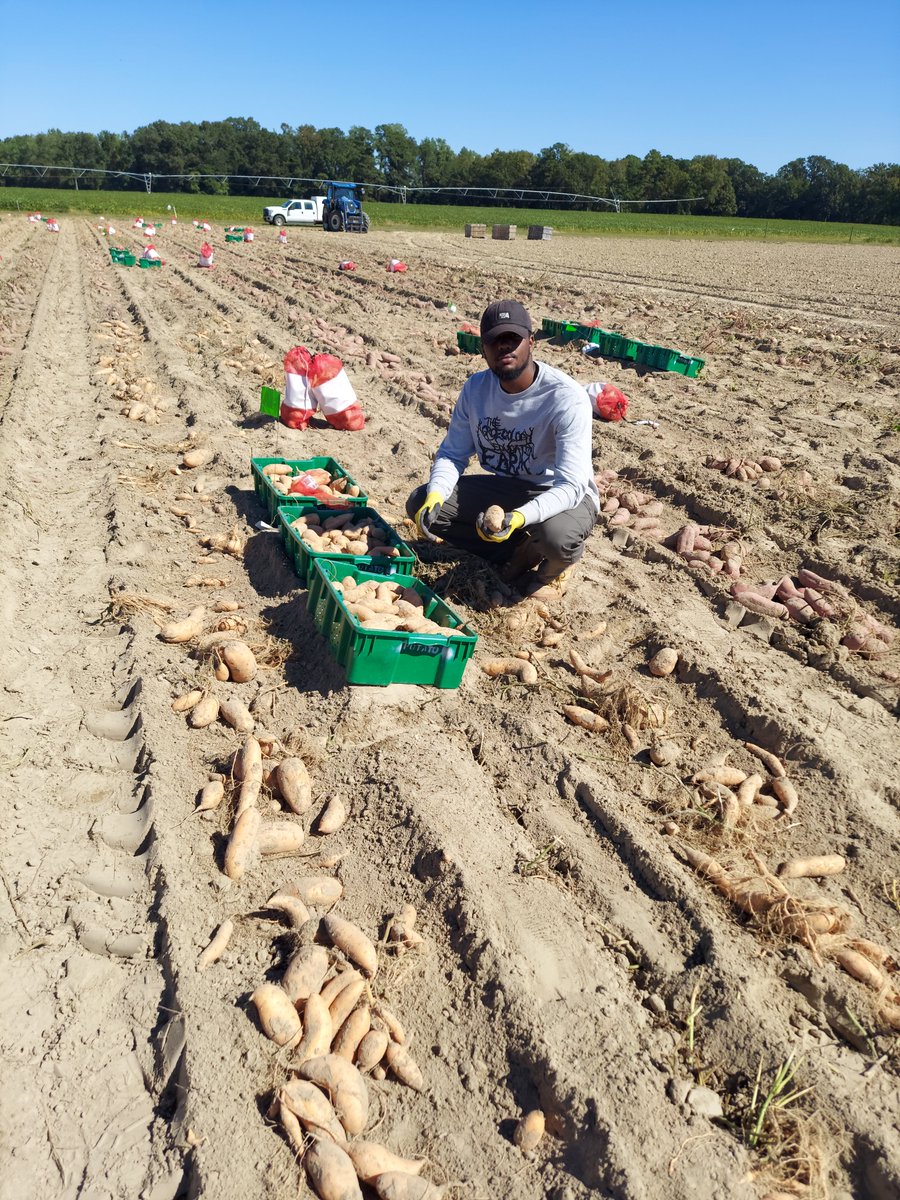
[303,555]
[470,342]
[381,656]
[273,500]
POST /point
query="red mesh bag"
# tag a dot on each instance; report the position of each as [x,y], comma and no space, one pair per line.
[608,402]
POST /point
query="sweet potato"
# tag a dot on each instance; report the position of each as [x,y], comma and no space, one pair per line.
[861,968]
[585,718]
[343,1083]
[280,836]
[242,845]
[317,1030]
[787,796]
[346,1000]
[728,776]
[217,945]
[748,789]
[404,1066]
[529,1131]
[186,702]
[335,986]
[348,1037]
[204,712]
[185,630]
[236,714]
[812,868]
[305,972]
[352,941]
[294,784]
[211,796]
[331,1174]
[663,662]
[198,457]
[278,1018]
[371,1159]
[239,659]
[291,907]
[520,668]
[494,516]
[333,816]
[313,1108]
[395,1029]
[321,890]
[771,762]
[371,1050]
[399,1185]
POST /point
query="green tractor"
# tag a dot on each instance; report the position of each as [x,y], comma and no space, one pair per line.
[342,210]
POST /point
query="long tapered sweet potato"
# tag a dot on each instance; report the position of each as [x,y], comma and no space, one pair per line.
[242,845]
[354,943]
[317,1030]
[217,945]
[185,630]
[312,1107]
[404,1066]
[280,837]
[331,1174]
[371,1159]
[294,784]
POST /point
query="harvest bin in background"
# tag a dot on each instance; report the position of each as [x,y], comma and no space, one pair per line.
[273,499]
[303,555]
[383,656]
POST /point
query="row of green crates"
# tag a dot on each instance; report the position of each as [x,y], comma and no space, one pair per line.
[368,656]
[234,237]
[126,259]
[616,345]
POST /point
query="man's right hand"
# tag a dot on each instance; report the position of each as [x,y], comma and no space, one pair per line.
[428,514]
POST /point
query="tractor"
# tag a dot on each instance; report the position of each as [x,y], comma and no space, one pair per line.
[342,210]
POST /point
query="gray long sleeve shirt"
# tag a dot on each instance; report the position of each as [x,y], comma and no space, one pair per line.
[541,436]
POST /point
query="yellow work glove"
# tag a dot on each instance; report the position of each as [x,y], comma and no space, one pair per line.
[428,514]
[511,522]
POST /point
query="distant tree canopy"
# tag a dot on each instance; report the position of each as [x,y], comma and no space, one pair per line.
[813,189]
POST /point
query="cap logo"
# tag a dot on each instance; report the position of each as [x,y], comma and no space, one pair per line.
[503,316]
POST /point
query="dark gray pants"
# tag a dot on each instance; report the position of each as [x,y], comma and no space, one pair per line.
[559,540]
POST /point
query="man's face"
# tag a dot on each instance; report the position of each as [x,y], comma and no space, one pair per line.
[508,356]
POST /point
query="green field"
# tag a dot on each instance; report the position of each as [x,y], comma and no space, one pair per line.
[247,210]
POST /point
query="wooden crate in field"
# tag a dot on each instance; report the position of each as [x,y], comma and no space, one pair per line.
[504,233]
[476,230]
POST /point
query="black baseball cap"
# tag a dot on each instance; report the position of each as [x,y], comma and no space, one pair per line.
[504,316]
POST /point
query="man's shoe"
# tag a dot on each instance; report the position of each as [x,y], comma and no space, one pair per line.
[548,588]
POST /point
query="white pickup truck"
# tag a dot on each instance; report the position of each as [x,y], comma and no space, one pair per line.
[295,212]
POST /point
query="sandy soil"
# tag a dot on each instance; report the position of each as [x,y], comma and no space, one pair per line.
[572,959]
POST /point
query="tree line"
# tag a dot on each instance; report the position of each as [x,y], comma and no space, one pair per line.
[811,189]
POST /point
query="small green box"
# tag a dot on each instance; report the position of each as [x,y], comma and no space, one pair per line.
[148,263]
[657,357]
[303,555]
[470,342]
[567,330]
[273,499]
[128,260]
[685,365]
[382,656]
[233,237]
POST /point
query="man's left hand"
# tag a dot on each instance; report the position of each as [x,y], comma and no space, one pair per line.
[511,522]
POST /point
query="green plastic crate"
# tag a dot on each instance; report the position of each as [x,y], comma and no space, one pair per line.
[567,330]
[149,263]
[273,500]
[128,260]
[685,365]
[470,342]
[657,357]
[233,237]
[303,555]
[382,656]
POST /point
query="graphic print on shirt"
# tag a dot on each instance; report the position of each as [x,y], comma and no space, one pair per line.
[503,450]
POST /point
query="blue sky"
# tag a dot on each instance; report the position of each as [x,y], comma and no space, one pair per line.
[762,81]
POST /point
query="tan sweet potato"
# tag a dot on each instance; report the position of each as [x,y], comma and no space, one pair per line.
[398,1185]
[333,816]
[281,836]
[204,712]
[585,718]
[663,662]
[295,911]
[494,516]
[352,941]
[404,1066]
[519,667]
[770,761]
[185,630]
[346,1087]
[330,1172]
[371,1050]
[812,868]
[322,890]
[529,1131]
[317,1030]
[236,714]
[242,845]
[186,702]
[348,1037]
[346,1000]
[305,972]
[211,796]
[313,1109]
[217,945]
[371,1159]
[240,661]
[278,1018]
[294,784]
[335,986]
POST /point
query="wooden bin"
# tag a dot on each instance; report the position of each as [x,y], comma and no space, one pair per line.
[540,233]
[476,230]
[504,233]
